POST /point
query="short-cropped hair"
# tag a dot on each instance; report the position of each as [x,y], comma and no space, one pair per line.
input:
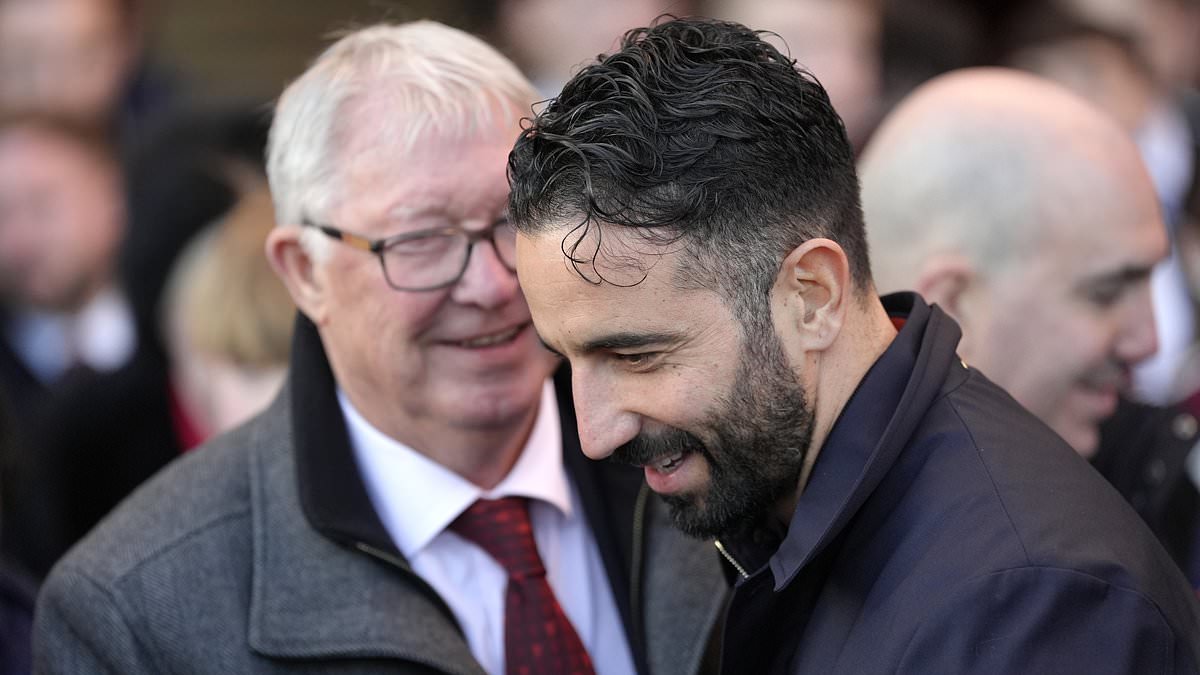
[697,131]
[438,81]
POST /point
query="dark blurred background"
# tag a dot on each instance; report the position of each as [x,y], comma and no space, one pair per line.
[240,49]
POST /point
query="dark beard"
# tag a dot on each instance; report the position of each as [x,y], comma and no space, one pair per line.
[761,432]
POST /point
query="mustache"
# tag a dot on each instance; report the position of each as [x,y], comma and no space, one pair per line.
[645,448]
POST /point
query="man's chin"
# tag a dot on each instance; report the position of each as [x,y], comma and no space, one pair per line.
[694,518]
[1080,415]
[496,405]
[1083,437]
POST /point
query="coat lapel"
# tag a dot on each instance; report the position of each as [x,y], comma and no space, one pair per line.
[686,593]
[314,598]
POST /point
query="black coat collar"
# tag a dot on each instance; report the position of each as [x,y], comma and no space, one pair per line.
[335,502]
[332,493]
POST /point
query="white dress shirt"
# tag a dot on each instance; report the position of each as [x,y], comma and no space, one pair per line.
[417,499]
[101,336]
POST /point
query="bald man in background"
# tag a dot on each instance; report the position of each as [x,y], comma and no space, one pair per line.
[1028,216]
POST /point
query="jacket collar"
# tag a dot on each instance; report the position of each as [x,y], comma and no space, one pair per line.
[332,494]
[311,599]
[872,430]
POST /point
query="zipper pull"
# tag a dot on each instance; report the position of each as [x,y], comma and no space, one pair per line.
[729,557]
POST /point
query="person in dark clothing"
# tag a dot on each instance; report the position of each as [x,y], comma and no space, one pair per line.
[691,241]
[1144,452]
[90,432]
[84,59]
[87,396]
[190,171]
[16,621]
[17,589]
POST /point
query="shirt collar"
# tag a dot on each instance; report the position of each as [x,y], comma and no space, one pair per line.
[100,335]
[417,498]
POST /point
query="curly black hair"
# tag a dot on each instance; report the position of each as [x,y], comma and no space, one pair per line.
[701,132]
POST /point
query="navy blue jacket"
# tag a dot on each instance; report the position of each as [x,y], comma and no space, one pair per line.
[946,530]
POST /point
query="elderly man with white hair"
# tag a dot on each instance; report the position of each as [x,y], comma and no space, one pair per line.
[415,500]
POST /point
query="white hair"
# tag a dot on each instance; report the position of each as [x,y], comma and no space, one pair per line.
[315,243]
[438,80]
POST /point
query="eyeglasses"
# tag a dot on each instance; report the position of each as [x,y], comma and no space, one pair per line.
[430,259]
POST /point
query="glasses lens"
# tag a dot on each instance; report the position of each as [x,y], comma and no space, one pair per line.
[425,262]
[505,237]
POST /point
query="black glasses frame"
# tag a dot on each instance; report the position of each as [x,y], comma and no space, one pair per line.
[379,246]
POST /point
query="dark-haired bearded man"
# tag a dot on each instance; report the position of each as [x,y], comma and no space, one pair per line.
[691,240]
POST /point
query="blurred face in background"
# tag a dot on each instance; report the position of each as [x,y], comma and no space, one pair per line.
[1061,327]
[228,319]
[1165,31]
[1097,69]
[837,40]
[549,39]
[1029,216]
[68,57]
[61,218]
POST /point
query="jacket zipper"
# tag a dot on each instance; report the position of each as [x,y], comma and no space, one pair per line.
[729,557]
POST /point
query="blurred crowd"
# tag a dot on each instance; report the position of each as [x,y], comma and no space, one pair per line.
[139,317]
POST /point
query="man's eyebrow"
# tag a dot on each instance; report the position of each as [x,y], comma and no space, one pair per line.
[630,340]
[1125,275]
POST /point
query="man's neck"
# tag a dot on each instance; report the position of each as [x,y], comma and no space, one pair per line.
[867,333]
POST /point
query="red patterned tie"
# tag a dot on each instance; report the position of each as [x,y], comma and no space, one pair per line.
[538,637]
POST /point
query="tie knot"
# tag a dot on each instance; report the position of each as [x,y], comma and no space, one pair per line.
[501,527]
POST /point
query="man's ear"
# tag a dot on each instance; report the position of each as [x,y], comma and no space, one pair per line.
[945,280]
[297,270]
[812,293]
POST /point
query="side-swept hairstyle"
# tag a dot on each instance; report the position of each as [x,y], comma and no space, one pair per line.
[701,132]
[438,81]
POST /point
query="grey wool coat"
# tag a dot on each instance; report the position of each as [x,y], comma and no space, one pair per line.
[260,553]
